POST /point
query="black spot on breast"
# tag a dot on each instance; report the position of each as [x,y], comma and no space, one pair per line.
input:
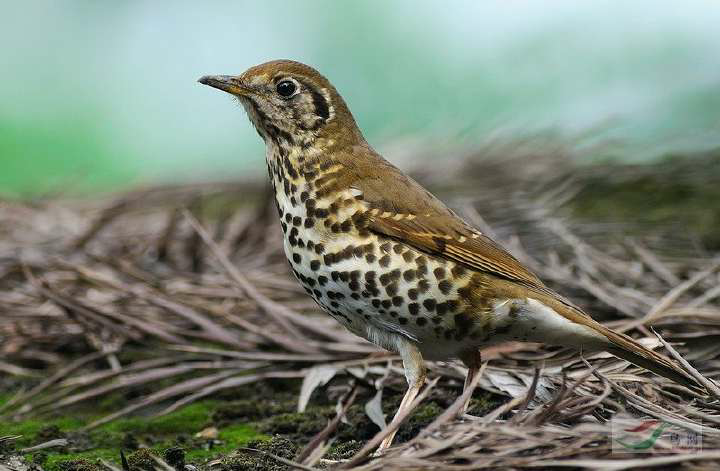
[445,286]
[385,261]
[458,271]
[397,301]
[360,219]
[429,304]
[292,238]
[402,320]
[315,265]
[409,275]
[322,280]
[309,222]
[370,258]
[439,273]
[414,308]
[421,321]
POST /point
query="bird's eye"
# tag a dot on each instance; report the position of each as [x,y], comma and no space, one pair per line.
[286,88]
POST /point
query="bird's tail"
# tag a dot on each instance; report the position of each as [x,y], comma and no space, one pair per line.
[624,346]
[628,349]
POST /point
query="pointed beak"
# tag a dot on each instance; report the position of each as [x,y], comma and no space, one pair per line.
[226,83]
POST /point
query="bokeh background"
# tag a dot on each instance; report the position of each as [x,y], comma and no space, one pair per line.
[98,96]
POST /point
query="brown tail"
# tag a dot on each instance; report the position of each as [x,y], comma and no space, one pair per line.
[624,346]
[630,350]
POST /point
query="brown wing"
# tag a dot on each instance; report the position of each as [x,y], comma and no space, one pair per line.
[402,209]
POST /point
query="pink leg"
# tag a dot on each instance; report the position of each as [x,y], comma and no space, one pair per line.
[472,360]
[415,375]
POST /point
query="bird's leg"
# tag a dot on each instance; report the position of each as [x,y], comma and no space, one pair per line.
[472,360]
[415,375]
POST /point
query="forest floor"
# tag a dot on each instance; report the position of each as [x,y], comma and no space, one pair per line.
[161,329]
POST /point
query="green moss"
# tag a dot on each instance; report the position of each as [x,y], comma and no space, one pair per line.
[78,465]
[344,450]
[298,425]
[229,439]
[142,460]
[33,430]
[192,417]
[244,460]
[160,434]
[63,461]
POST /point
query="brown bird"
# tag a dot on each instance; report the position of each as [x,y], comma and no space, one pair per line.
[387,259]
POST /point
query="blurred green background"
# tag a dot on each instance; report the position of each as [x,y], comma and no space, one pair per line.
[97,95]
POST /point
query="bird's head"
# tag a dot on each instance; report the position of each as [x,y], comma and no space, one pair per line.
[288,102]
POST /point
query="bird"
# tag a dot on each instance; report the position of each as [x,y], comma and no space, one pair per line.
[385,257]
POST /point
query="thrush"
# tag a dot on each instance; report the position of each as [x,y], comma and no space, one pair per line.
[385,257]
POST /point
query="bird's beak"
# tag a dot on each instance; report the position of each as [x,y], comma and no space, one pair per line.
[226,83]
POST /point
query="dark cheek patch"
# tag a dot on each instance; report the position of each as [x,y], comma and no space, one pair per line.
[321,105]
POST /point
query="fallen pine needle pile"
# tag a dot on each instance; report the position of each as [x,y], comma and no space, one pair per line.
[193,281]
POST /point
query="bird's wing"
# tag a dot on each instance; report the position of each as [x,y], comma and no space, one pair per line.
[400,208]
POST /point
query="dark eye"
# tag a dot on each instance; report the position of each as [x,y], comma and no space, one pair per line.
[286,88]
